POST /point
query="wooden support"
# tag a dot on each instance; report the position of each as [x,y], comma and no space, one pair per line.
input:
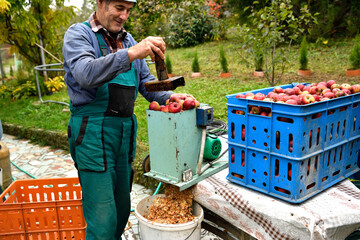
[220,227]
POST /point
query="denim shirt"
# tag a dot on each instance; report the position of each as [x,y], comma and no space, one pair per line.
[85,71]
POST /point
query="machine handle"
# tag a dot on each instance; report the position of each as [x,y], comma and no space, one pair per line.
[161,70]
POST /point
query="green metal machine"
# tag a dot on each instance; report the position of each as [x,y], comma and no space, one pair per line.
[180,149]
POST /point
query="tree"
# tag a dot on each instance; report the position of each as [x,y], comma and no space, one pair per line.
[87,8]
[271,31]
[25,21]
[4,6]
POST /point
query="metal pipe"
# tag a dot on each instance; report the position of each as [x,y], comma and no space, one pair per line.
[44,68]
[202,147]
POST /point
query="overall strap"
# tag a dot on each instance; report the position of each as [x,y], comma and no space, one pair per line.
[103,48]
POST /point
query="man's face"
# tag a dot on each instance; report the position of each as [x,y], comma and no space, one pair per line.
[112,16]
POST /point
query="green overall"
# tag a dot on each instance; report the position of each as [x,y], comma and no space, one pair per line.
[102,140]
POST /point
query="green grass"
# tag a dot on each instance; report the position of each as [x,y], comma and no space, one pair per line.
[326,62]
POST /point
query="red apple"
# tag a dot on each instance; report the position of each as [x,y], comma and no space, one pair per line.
[335,90]
[345,86]
[174,107]
[329,95]
[355,88]
[240,95]
[278,90]
[306,88]
[291,101]
[175,98]
[317,97]
[259,96]
[268,99]
[340,93]
[264,114]
[164,108]
[280,97]
[297,90]
[289,91]
[270,94]
[314,90]
[330,83]
[322,88]
[255,110]
[154,105]
[324,99]
[189,103]
[274,96]
[313,84]
[322,84]
[304,92]
[307,98]
[296,98]
[197,104]
[335,85]
[301,86]
[347,92]
[249,94]
[325,91]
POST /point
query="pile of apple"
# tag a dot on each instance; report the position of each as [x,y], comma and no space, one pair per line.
[176,103]
[301,94]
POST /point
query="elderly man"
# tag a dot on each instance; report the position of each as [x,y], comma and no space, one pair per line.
[105,69]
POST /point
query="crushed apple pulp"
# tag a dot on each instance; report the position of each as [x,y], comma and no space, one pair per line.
[174,208]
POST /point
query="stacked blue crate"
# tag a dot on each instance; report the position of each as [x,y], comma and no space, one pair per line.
[297,151]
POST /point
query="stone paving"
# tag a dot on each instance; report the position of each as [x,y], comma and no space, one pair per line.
[44,162]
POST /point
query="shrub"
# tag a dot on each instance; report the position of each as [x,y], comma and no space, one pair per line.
[5,91]
[55,84]
[168,64]
[223,61]
[189,26]
[303,58]
[195,64]
[355,54]
[25,90]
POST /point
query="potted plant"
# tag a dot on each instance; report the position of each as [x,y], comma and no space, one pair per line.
[259,64]
[195,67]
[168,66]
[303,59]
[354,59]
[224,64]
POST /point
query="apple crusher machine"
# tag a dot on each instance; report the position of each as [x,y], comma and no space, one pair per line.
[181,150]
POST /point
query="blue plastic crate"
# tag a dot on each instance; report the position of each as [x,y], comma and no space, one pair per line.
[322,136]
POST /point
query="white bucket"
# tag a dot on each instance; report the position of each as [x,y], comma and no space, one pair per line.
[157,231]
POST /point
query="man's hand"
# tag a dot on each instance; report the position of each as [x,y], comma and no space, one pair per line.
[147,47]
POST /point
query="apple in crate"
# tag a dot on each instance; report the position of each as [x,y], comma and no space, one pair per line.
[355,88]
[278,90]
[307,98]
[329,95]
[292,102]
[345,86]
[297,90]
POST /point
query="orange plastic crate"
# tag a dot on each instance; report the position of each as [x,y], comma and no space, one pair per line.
[42,209]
